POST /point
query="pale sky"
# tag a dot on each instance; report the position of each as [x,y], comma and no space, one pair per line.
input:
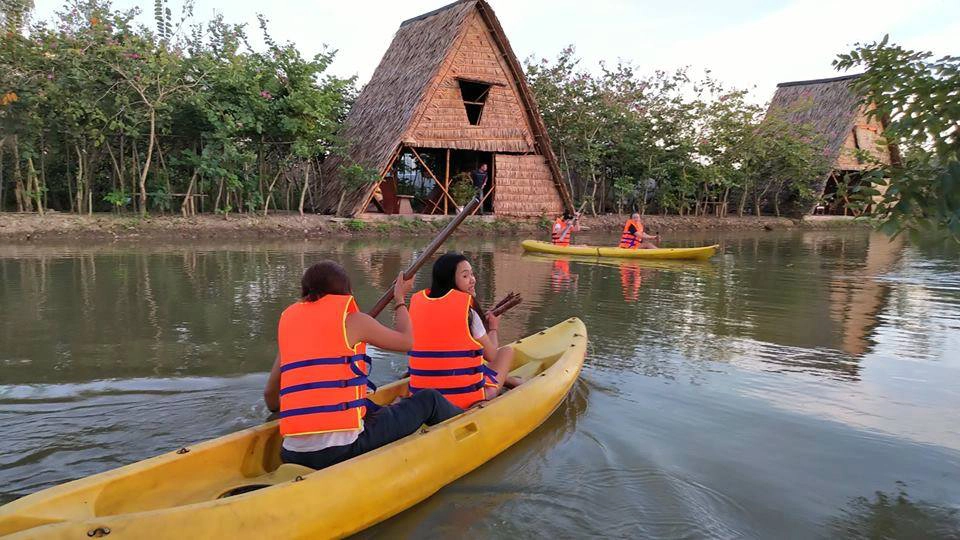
[749,44]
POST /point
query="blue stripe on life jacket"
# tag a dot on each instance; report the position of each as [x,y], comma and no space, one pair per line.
[364,402]
[356,381]
[456,390]
[446,354]
[445,372]
[326,362]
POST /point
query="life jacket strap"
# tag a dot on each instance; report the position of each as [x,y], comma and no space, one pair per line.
[364,402]
[455,390]
[473,353]
[342,383]
[326,362]
[489,374]
[360,373]
[444,372]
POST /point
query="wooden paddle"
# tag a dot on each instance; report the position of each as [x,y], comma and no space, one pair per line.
[428,252]
[509,302]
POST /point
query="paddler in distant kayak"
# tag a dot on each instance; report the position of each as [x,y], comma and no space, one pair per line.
[318,383]
[633,236]
[451,341]
[564,227]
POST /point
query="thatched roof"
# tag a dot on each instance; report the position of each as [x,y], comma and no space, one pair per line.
[829,105]
[400,86]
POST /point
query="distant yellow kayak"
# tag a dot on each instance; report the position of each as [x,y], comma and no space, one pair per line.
[235,486]
[701,253]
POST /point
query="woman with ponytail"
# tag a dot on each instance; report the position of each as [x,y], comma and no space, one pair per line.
[456,347]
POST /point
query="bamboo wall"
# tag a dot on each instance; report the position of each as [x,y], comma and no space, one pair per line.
[503,126]
[865,135]
[524,187]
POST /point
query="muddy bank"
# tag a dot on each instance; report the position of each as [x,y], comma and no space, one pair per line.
[59,226]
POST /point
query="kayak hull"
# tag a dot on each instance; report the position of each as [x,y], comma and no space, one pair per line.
[181,494]
[697,253]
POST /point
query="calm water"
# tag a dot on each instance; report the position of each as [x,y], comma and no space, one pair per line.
[799,385]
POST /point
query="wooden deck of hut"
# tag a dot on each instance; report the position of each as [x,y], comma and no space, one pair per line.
[835,111]
[448,95]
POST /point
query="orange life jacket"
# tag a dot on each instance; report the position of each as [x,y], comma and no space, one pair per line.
[445,356]
[630,240]
[555,234]
[323,380]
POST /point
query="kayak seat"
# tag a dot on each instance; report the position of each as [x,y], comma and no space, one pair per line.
[286,472]
[527,371]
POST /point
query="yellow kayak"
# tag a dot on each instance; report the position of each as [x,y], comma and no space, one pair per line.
[235,486]
[704,252]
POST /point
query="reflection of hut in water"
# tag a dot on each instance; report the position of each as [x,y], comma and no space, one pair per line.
[855,306]
[448,96]
[834,111]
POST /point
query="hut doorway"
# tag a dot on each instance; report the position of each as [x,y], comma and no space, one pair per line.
[432,181]
[463,165]
[839,197]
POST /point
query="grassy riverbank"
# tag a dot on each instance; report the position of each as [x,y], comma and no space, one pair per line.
[55,226]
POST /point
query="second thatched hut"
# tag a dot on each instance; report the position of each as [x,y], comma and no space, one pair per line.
[837,114]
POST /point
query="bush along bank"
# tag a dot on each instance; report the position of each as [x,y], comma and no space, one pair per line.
[98,227]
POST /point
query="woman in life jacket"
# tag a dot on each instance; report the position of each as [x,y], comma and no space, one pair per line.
[318,383]
[451,341]
[557,235]
[633,236]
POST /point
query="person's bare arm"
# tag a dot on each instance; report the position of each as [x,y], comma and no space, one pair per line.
[491,340]
[271,394]
[362,327]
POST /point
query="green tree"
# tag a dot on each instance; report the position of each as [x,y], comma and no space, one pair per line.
[915,95]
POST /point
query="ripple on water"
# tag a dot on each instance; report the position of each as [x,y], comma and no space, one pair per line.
[77,430]
[625,502]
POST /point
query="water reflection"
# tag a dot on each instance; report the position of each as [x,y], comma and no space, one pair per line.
[894,515]
[815,306]
[716,397]
[631,278]
[561,278]
[481,503]
[856,302]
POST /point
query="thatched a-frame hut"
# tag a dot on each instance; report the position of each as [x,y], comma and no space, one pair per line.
[834,110]
[448,96]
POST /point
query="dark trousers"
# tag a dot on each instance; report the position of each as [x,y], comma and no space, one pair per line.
[381,428]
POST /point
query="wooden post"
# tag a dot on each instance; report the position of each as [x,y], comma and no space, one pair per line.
[493,186]
[427,168]
[446,180]
[485,196]
[369,197]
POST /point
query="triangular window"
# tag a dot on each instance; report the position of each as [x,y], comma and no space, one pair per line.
[474,95]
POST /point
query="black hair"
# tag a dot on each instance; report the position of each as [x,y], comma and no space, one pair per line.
[323,278]
[567,215]
[444,277]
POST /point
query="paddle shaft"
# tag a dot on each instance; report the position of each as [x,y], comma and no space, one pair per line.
[568,227]
[427,253]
